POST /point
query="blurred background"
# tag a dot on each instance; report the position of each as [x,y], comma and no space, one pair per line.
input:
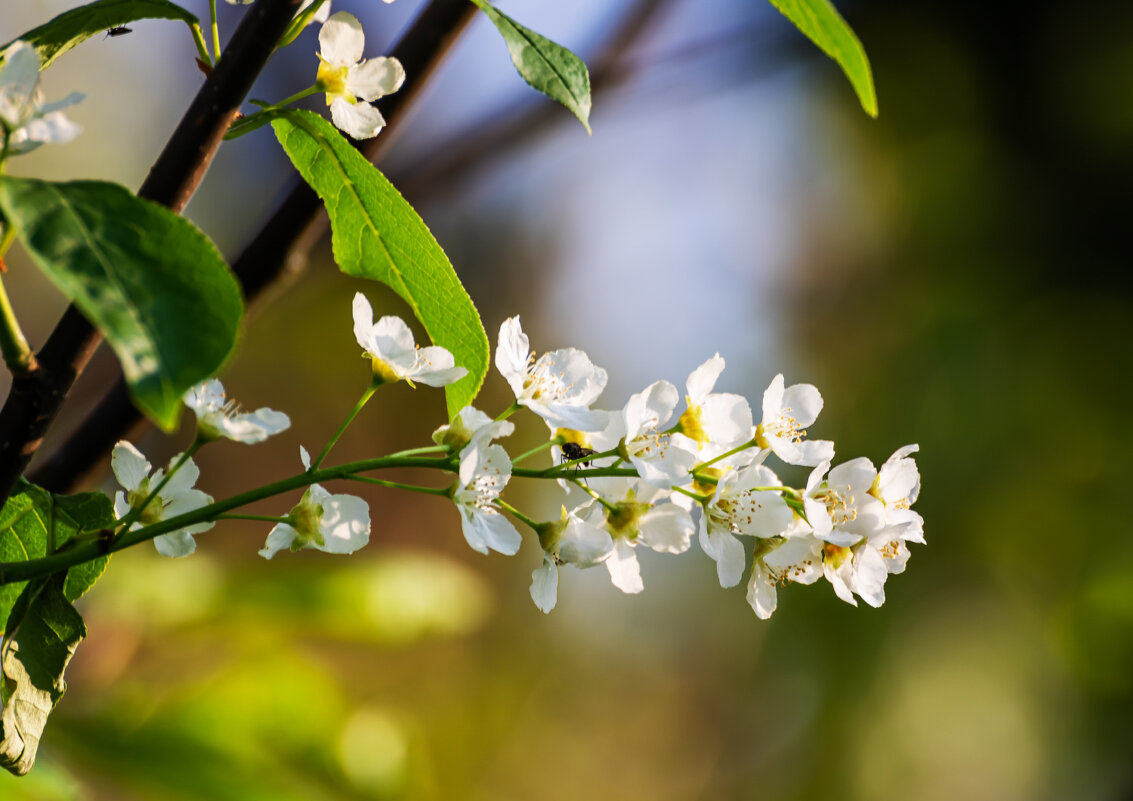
[954,273]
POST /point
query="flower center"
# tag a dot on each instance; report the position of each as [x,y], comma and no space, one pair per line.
[332,80]
[305,519]
[785,426]
[692,423]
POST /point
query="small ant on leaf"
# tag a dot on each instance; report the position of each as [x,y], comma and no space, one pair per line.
[118,30]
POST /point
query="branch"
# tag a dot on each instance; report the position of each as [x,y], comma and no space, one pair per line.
[293,228]
[36,396]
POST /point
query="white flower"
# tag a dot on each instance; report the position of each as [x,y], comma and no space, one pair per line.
[325,522]
[841,509]
[794,557]
[568,541]
[661,459]
[558,386]
[898,484]
[484,472]
[472,424]
[177,497]
[716,422]
[741,506]
[320,16]
[219,417]
[860,569]
[26,121]
[389,344]
[639,516]
[347,78]
[786,414]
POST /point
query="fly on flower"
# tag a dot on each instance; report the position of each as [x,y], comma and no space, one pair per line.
[572,451]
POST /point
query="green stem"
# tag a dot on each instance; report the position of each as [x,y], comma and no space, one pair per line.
[565,471]
[696,496]
[509,411]
[13,345]
[538,448]
[263,518]
[578,481]
[91,546]
[422,451]
[582,459]
[215,29]
[299,23]
[199,41]
[725,455]
[507,507]
[441,492]
[287,101]
[369,393]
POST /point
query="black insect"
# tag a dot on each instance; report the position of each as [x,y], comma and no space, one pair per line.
[118,30]
[572,451]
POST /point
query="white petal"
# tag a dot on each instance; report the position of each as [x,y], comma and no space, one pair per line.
[852,477]
[582,544]
[703,379]
[761,592]
[176,543]
[512,351]
[305,458]
[667,529]
[129,466]
[183,480]
[375,78]
[773,399]
[728,552]
[496,532]
[650,408]
[469,527]
[360,120]
[341,39]
[49,129]
[869,576]
[625,573]
[280,537]
[803,402]
[545,585]
[726,419]
[208,396]
[345,524]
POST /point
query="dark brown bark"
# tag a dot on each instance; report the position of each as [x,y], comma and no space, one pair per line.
[297,223]
[36,396]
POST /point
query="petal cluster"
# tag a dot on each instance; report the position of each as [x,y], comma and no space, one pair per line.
[25,119]
[393,353]
[218,416]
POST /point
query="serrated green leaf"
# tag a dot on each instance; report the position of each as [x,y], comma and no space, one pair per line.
[376,234]
[823,25]
[545,65]
[57,36]
[153,284]
[47,630]
[28,520]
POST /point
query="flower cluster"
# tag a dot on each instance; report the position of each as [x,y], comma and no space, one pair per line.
[26,121]
[650,474]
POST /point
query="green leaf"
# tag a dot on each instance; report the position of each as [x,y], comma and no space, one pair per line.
[546,66]
[824,26]
[33,519]
[376,234]
[152,283]
[46,631]
[57,36]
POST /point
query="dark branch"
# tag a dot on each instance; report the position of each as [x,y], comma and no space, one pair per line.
[295,226]
[36,397]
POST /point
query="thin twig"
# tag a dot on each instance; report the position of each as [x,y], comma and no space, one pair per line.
[36,397]
[294,228]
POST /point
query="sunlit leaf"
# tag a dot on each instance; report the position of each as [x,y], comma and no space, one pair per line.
[33,520]
[824,26]
[153,284]
[546,66]
[44,631]
[57,36]
[377,234]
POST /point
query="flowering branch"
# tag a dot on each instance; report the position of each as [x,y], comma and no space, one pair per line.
[37,395]
[295,226]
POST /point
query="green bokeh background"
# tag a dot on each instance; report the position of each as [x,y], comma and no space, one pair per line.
[954,274]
